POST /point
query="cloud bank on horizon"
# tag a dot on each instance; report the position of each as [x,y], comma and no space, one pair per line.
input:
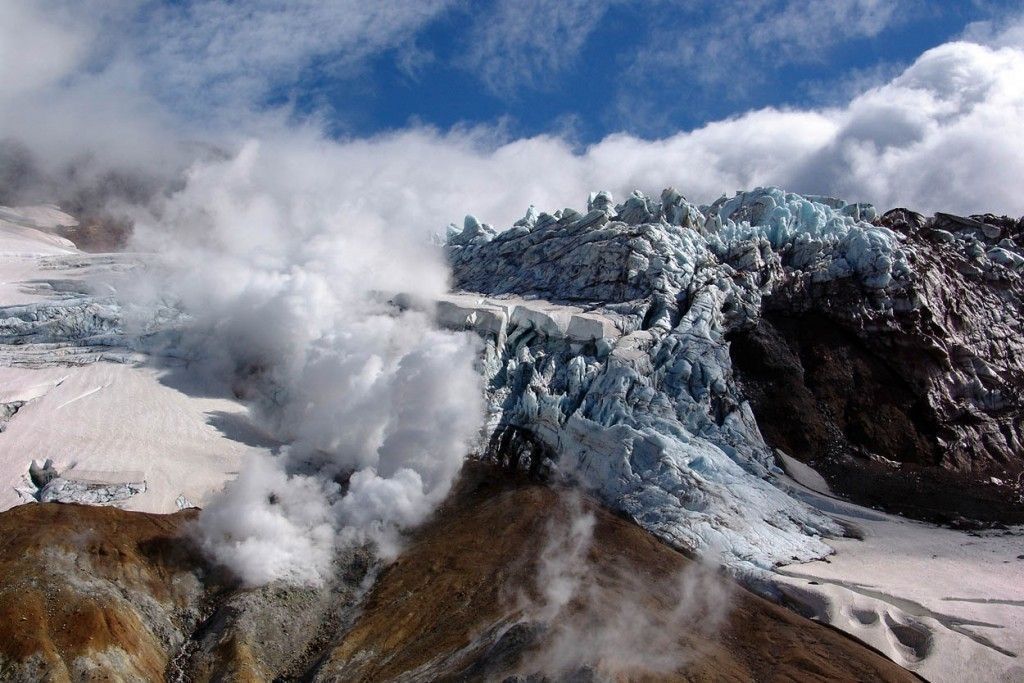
[113,84]
[215,126]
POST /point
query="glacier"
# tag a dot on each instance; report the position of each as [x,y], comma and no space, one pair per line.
[606,338]
[88,413]
[607,357]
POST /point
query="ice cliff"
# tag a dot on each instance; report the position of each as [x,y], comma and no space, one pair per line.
[607,353]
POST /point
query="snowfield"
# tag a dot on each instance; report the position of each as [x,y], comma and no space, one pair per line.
[946,604]
[74,392]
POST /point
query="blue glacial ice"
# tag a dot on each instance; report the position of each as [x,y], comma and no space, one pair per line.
[605,337]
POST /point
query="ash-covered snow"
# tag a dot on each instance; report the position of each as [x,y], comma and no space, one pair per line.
[606,341]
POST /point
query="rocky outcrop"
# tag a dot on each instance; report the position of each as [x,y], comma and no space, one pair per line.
[75,485]
[954,336]
[922,315]
[917,410]
[99,593]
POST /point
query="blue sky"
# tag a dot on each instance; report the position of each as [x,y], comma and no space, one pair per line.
[631,70]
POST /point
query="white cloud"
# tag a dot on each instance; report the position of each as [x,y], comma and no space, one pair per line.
[229,53]
[737,43]
[125,81]
[941,136]
[799,31]
[1005,31]
[531,44]
[526,43]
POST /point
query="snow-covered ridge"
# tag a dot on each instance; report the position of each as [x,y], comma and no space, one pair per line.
[646,409]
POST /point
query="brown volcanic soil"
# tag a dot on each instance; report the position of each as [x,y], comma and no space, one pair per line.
[460,580]
[99,233]
[91,593]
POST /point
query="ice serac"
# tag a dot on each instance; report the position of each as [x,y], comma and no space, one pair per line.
[607,352]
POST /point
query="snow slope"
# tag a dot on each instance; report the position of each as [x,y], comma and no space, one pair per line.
[946,604]
[74,393]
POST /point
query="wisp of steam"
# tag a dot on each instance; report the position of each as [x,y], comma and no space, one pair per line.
[611,632]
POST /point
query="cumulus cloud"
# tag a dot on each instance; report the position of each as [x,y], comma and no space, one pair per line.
[939,136]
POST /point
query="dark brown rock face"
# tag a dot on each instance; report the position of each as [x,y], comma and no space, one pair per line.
[917,408]
[817,390]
